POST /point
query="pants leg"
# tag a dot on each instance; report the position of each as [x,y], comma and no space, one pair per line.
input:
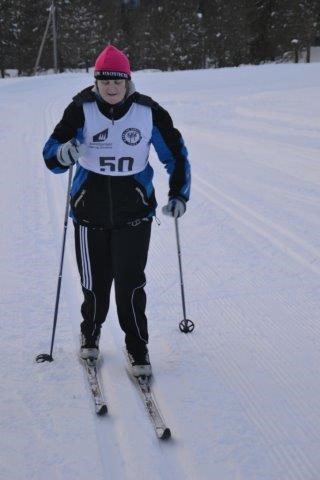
[96,273]
[129,246]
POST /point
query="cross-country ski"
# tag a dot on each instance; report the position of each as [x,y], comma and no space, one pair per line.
[91,372]
[144,387]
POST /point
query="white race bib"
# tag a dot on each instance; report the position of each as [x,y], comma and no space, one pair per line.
[120,147]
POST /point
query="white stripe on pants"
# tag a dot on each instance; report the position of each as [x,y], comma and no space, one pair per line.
[85,259]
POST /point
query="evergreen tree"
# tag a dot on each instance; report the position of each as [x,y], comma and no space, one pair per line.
[158,34]
[294,25]
[8,34]
[79,25]
[31,19]
[163,34]
[259,20]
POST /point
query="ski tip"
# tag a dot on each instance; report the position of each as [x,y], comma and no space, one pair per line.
[102,410]
[164,433]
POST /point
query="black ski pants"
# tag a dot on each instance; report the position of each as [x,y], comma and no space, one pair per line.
[119,255]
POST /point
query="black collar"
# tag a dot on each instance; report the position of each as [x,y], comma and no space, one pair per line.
[114,112]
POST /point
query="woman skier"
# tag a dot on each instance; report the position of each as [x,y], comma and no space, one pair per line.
[107,130]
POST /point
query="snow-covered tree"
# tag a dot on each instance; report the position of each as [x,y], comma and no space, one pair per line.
[156,33]
[79,26]
[294,26]
[8,33]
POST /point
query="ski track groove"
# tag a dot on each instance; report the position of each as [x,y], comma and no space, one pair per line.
[277,367]
[294,460]
[282,378]
[293,196]
[251,401]
[294,393]
[168,457]
[279,118]
[262,231]
[233,376]
[220,140]
[107,439]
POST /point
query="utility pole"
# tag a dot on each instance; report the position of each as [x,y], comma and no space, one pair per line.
[54,36]
[51,19]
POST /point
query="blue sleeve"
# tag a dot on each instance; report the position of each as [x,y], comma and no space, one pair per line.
[70,126]
[50,156]
[172,152]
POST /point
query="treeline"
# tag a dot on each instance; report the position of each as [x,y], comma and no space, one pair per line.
[166,35]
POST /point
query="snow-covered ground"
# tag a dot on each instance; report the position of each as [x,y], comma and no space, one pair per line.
[242,392]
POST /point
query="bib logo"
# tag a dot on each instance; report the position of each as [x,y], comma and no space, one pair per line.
[101,136]
[132,136]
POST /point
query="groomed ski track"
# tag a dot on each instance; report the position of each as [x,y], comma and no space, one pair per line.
[241,394]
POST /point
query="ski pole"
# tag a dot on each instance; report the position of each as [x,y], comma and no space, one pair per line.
[45,357]
[185,325]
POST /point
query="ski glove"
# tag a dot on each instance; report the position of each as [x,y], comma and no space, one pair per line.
[176,207]
[69,153]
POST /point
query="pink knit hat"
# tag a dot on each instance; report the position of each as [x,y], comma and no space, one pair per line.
[112,63]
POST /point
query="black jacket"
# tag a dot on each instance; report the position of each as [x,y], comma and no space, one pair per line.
[107,201]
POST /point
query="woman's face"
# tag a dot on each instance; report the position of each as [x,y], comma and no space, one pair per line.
[112,91]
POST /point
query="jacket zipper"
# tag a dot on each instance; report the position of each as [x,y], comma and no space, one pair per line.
[110,200]
[79,198]
[109,180]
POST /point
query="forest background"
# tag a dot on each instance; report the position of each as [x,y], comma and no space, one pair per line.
[157,34]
